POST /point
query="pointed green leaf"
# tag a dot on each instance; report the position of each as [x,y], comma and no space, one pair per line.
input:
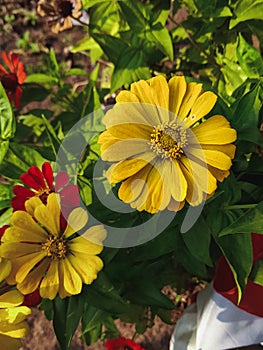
[7,119]
[246,10]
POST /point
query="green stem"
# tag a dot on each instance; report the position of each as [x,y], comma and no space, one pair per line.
[80,21]
[240,206]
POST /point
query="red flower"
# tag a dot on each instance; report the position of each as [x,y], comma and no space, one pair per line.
[122,344]
[11,80]
[41,184]
[224,282]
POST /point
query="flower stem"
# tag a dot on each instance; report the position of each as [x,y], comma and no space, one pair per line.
[240,206]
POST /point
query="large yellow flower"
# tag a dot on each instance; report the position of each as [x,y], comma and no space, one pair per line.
[12,316]
[163,152]
[43,256]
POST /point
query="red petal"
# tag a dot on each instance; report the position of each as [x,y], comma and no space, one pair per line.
[21,75]
[22,191]
[120,343]
[61,180]
[18,96]
[37,175]
[48,174]
[7,60]
[32,299]
[18,203]
[3,70]
[257,242]
[2,230]
[30,181]
[70,196]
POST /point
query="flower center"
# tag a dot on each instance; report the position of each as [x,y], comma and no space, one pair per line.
[43,194]
[56,248]
[168,140]
[9,82]
[65,8]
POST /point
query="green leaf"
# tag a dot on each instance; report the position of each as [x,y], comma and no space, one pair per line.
[4,145]
[103,295]
[160,36]
[257,273]
[7,119]
[234,247]
[6,193]
[40,78]
[18,159]
[52,136]
[129,68]
[85,189]
[89,3]
[245,10]
[5,217]
[249,59]
[66,317]
[53,63]
[197,240]
[113,47]
[250,221]
[133,13]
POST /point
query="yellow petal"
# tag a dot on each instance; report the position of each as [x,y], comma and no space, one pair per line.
[70,278]
[16,249]
[32,280]
[85,246]
[201,108]
[24,221]
[14,315]
[31,204]
[9,343]
[127,168]
[143,91]
[177,87]
[49,286]
[131,131]
[77,219]
[160,91]
[86,266]
[132,188]
[53,205]
[24,270]
[17,234]
[47,219]
[125,149]
[178,184]
[11,298]
[126,96]
[228,149]
[18,330]
[132,113]
[217,159]
[215,131]
[5,269]
[220,175]
[175,206]
[192,93]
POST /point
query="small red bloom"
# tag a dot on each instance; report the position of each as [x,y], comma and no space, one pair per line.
[40,183]
[122,344]
[12,79]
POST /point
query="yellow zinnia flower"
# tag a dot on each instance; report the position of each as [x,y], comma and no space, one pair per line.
[163,153]
[12,316]
[43,256]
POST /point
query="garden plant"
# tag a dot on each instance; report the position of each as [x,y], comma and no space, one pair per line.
[140,168]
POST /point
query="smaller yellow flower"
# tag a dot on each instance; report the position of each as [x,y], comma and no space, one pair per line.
[60,13]
[12,316]
[43,256]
